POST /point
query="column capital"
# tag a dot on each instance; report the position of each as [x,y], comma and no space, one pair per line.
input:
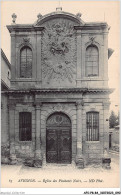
[78,32]
[38,105]
[79,104]
[13,33]
[39,32]
[106,105]
[11,106]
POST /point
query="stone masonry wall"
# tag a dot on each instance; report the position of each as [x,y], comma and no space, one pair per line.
[24,149]
[4,130]
[93,150]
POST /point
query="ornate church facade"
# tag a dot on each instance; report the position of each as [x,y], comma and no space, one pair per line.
[59,96]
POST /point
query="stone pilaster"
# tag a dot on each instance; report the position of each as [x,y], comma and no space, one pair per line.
[12,133]
[105,57]
[38,60]
[79,57]
[38,155]
[13,55]
[79,156]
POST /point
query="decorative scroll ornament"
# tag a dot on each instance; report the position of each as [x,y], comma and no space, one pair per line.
[58,119]
[26,40]
[92,39]
[59,107]
[58,51]
[79,104]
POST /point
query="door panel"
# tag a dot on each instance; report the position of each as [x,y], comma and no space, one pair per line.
[65,146]
[58,139]
[51,145]
[58,146]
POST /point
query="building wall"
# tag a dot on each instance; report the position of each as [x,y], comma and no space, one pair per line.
[114,139]
[44,62]
[5,85]
[93,151]
[54,68]
[4,120]
[5,147]
[24,149]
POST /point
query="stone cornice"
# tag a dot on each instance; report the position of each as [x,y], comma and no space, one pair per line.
[99,90]
[4,86]
[93,26]
[81,25]
[30,27]
[23,28]
[61,90]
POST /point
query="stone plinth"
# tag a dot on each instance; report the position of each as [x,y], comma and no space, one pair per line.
[80,162]
[106,163]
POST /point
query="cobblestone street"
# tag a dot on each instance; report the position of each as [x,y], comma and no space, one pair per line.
[62,175]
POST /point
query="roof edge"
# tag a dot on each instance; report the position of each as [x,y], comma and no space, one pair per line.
[5,58]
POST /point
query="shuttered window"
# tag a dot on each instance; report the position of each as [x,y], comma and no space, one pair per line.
[26,62]
[92,61]
[25,126]
[92,120]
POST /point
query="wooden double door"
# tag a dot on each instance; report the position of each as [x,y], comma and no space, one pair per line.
[58,139]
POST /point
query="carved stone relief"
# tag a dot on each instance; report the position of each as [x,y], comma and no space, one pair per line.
[92,39]
[59,51]
[59,107]
[26,40]
[58,119]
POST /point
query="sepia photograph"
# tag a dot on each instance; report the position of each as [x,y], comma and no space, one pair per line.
[60,109]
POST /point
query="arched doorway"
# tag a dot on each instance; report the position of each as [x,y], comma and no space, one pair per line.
[58,138]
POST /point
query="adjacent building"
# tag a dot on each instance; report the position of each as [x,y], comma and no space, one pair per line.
[5,86]
[114,136]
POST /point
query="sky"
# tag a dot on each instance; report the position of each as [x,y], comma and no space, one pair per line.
[92,11]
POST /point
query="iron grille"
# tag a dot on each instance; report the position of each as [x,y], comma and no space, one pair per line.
[25,126]
[92,126]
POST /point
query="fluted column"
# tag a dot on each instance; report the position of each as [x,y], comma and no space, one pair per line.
[12,133]
[38,154]
[79,156]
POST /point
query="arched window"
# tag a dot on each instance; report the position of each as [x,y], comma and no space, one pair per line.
[92,61]
[25,126]
[26,62]
[92,120]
